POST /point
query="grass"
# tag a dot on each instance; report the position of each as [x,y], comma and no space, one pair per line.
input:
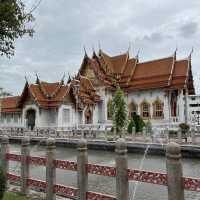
[14,196]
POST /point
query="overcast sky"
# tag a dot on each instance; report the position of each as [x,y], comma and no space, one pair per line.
[63,27]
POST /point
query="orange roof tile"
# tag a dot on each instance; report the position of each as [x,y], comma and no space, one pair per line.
[50,89]
[10,104]
[115,64]
[164,72]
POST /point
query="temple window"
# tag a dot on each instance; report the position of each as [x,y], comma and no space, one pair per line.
[132,109]
[145,109]
[109,109]
[158,109]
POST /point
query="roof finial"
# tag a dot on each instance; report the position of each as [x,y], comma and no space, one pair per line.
[99,45]
[85,51]
[191,52]
[129,48]
[62,80]
[26,79]
[175,51]
[37,78]
[137,55]
[94,53]
[69,78]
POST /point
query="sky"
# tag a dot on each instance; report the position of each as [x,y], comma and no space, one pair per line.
[154,28]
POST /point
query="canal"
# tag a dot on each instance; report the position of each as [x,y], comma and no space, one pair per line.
[191,167]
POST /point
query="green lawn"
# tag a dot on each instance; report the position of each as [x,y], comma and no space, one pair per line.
[13,196]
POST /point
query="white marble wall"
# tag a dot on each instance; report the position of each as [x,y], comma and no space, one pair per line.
[11,120]
[72,119]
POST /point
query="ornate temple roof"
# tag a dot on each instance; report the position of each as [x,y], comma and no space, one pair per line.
[130,74]
[10,104]
[112,71]
[51,95]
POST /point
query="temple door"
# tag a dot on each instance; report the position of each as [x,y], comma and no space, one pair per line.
[88,116]
[30,116]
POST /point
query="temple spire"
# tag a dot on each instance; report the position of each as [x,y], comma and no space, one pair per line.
[37,79]
[99,45]
[85,52]
[93,52]
[175,52]
[62,80]
[191,52]
[137,55]
[26,79]
[69,79]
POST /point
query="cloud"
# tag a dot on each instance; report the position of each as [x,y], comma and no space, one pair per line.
[64,27]
[189,29]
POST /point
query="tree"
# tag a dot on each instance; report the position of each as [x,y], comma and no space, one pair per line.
[4,93]
[119,110]
[14,23]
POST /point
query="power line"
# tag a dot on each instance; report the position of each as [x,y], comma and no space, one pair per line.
[35,6]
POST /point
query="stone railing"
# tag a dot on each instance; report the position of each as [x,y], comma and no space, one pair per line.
[160,136]
[173,179]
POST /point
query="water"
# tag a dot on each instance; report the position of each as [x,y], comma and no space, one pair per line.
[191,167]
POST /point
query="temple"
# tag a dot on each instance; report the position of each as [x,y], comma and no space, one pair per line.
[157,90]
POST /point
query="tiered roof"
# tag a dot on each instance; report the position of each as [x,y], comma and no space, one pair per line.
[130,74]
[86,92]
[51,95]
[10,105]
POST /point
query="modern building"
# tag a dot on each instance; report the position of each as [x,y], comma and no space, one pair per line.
[158,90]
[194,109]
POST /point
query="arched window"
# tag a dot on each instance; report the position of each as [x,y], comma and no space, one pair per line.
[157,109]
[109,109]
[145,109]
[132,108]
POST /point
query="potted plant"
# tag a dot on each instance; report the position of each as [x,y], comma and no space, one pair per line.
[184,129]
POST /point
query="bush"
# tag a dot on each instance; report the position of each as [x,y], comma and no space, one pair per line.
[139,123]
[184,127]
[130,126]
[172,133]
[2,183]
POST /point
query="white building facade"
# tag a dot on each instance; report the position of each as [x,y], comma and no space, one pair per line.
[161,91]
